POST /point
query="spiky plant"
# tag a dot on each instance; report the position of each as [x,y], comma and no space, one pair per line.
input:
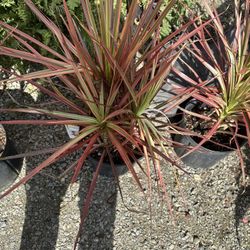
[226,91]
[111,85]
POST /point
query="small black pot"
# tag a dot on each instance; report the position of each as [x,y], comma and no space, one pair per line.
[9,169]
[203,157]
[106,169]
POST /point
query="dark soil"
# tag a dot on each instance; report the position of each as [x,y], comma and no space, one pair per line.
[202,127]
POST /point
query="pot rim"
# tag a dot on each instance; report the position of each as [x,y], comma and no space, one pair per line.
[191,103]
[210,150]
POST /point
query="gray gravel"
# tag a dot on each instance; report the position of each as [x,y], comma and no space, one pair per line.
[210,208]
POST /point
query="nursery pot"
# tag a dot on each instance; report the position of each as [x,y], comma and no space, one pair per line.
[202,157]
[93,160]
[106,169]
[9,169]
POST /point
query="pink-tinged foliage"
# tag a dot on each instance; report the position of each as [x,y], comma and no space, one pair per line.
[112,87]
[227,87]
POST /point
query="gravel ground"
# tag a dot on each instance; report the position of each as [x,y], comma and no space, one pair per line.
[210,208]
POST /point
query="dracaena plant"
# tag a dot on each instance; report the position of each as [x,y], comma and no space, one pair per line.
[112,86]
[226,91]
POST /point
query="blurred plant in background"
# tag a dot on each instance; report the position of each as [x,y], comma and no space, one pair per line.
[178,15]
[18,15]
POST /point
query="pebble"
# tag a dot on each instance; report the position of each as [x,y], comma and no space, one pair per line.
[3,224]
[27,187]
[171,247]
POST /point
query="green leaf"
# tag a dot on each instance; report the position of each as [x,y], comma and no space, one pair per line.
[73,4]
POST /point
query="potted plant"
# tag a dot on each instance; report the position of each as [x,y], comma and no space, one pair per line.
[216,120]
[9,168]
[110,87]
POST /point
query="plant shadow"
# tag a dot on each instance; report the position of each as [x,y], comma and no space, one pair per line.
[45,194]
[242,201]
[98,228]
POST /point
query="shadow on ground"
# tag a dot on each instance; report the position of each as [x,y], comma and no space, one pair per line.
[45,194]
[242,201]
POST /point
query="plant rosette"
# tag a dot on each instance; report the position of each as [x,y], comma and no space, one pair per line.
[220,145]
[93,159]
[225,92]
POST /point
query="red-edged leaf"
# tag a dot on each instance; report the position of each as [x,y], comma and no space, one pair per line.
[124,155]
[246,117]
[29,154]
[89,196]
[123,133]
[210,133]
[84,156]
[43,122]
[54,157]
[30,38]
[64,41]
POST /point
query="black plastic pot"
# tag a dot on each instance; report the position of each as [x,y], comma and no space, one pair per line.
[9,169]
[201,158]
[106,169]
